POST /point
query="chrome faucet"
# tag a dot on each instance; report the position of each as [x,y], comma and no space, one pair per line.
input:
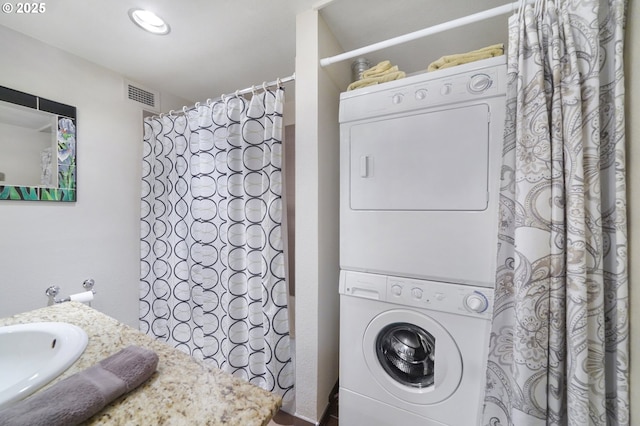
[54,290]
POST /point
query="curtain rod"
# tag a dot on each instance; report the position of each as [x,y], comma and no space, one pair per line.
[277,82]
[476,17]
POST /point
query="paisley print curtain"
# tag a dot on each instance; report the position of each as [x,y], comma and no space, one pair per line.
[559,340]
[212,280]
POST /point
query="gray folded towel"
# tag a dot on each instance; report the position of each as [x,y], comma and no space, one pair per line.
[78,397]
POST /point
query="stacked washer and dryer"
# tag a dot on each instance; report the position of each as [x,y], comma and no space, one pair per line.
[420,175]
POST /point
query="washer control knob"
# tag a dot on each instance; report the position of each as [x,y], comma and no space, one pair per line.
[421,94]
[416,293]
[446,89]
[479,83]
[396,290]
[397,98]
[476,302]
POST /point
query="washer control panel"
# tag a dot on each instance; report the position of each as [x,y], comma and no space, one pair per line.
[446,297]
[432,295]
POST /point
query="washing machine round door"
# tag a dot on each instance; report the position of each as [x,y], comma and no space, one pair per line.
[406,352]
[412,356]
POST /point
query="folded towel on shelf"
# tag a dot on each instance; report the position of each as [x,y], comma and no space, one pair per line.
[380,73]
[80,396]
[374,74]
[464,58]
[379,69]
[376,80]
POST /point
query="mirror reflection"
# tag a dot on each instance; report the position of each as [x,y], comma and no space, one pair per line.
[37,148]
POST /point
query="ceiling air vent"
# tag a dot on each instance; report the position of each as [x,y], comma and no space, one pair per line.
[148,99]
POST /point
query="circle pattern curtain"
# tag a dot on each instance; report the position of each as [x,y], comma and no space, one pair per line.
[212,261]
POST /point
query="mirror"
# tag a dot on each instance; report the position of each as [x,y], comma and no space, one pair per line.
[37,148]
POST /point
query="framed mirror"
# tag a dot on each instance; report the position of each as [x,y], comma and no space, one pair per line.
[37,148]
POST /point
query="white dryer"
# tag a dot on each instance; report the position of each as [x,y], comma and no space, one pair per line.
[420,165]
[412,352]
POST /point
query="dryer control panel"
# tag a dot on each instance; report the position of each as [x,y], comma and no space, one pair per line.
[431,295]
[450,85]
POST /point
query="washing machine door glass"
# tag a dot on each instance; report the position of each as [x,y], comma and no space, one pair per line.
[412,356]
[407,354]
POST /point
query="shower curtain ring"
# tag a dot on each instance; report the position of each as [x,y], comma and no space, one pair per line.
[222,97]
[197,105]
[279,83]
[208,101]
[253,90]
[171,113]
[237,93]
[264,86]
[184,109]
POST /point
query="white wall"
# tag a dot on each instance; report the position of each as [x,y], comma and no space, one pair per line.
[46,243]
[317,221]
[632,57]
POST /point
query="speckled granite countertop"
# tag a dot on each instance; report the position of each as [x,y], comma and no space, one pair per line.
[183,391]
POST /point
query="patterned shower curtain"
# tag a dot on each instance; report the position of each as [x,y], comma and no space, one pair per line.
[559,343]
[212,280]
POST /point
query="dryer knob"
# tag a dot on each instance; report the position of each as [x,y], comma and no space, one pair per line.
[479,83]
[446,89]
[476,302]
[397,98]
[421,94]
[396,290]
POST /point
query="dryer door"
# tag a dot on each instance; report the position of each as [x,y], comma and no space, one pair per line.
[434,160]
[419,193]
[412,356]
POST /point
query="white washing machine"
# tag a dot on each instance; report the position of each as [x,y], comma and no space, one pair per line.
[412,352]
[420,163]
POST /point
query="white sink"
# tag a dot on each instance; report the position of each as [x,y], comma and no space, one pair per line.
[31,355]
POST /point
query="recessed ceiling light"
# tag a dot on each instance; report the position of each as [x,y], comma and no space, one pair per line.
[149,21]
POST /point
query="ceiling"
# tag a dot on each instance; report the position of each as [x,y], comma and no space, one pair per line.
[218,46]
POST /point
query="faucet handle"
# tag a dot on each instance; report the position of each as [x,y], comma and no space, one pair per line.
[88,284]
[52,291]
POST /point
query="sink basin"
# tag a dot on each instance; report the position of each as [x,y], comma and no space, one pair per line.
[31,355]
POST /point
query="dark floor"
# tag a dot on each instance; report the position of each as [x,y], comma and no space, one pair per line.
[330,418]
